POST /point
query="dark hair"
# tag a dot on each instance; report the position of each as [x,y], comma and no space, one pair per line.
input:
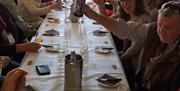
[123,14]
[139,10]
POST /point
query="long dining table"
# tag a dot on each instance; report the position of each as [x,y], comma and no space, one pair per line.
[97,65]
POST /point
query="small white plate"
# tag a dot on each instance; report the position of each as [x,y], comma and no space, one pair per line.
[102,50]
[109,81]
[53,20]
[52,49]
[99,33]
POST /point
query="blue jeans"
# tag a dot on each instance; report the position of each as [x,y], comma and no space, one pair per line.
[10,66]
[1,81]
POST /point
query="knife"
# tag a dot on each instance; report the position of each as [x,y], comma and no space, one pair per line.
[47,46]
[110,80]
[107,48]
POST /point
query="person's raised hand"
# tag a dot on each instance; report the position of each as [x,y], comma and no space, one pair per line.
[14,80]
[88,11]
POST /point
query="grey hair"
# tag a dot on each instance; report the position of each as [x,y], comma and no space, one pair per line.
[170,8]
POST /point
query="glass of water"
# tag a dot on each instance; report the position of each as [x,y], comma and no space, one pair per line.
[61,56]
[62,51]
[85,54]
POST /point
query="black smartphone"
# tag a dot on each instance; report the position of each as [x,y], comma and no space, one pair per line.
[43,69]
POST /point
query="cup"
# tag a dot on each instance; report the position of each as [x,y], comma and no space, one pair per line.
[38,40]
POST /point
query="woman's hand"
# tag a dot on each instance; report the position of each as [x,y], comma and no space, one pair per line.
[29,46]
[14,80]
[32,47]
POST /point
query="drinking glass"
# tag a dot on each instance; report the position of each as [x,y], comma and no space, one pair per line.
[38,40]
[85,54]
[61,57]
[84,44]
[82,27]
[67,33]
[68,3]
[62,51]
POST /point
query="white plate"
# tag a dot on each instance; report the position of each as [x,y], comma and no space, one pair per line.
[53,20]
[99,49]
[105,85]
[111,82]
[52,49]
[99,33]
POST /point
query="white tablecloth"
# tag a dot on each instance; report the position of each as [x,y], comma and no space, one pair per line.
[98,64]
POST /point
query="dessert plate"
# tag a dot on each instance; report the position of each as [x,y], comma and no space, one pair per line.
[52,49]
[99,33]
[103,49]
[109,81]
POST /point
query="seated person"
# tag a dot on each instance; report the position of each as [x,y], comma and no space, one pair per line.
[12,40]
[12,7]
[31,10]
[158,66]
[15,80]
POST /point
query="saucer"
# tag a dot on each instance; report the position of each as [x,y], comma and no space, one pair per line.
[53,20]
[51,32]
[103,49]
[52,49]
[99,33]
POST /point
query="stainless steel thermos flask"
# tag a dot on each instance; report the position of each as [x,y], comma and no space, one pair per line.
[73,72]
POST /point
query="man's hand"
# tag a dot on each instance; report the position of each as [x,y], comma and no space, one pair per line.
[14,80]
[88,11]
